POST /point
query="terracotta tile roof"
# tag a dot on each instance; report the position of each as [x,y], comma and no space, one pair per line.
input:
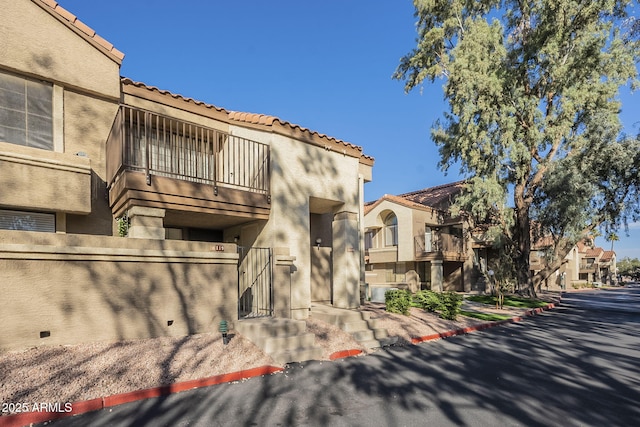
[257,119]
[262,119]
[437,197]
[395,199]
[128,81]
[607,256]
[66,16]
[542,243]
[594,252]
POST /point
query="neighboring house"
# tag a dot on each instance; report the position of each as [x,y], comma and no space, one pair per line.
[583,264]
[229,215]
[411,241]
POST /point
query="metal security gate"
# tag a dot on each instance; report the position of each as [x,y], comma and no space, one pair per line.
[255,289]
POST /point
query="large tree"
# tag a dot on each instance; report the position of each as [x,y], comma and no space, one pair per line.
[629,267]
[533,93]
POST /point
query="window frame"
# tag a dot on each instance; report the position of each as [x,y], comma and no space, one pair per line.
[391,230]
[34,109]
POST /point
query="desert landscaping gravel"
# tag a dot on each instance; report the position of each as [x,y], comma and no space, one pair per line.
[82,372]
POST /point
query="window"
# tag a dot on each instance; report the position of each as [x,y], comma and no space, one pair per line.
[428,237]
[26,112]
[391,230]
[368,240]
[27,221]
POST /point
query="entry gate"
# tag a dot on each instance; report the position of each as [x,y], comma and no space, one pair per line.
[255,288]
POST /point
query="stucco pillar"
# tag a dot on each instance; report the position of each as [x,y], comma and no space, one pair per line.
[346,260]
[361,229]
[146,223]
[436,275]
[282,269]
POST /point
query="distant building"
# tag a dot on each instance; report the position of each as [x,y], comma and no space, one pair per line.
[411,241]
[584,264]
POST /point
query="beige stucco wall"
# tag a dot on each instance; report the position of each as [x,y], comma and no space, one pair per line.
[86,95]
[90,288]
[35,42]
[301,172]
[34,179]
[87,123]
[375,218]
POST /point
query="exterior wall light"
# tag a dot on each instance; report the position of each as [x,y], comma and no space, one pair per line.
[318,241]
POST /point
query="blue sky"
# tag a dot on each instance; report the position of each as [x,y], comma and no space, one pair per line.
[325,65]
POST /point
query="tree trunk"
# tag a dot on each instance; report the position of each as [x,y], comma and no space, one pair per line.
[560,251]
[523,247]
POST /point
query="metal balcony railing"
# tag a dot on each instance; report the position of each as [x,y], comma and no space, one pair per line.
[159,145]
[587,265]
[440,242]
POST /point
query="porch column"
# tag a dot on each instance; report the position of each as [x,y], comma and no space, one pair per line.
[146,223]
[346,260]
[282,269]
[436,275]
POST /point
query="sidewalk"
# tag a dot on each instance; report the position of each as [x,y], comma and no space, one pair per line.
[70,380]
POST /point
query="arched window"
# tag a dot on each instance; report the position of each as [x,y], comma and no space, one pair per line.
[391,230]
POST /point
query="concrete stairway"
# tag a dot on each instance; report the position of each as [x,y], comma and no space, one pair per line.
[359,324]
[285,340]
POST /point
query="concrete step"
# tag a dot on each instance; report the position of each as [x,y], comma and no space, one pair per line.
[275,344]
[270,327]
[338,317]
[297,355]
[358,325]
[370,334]
[285,340]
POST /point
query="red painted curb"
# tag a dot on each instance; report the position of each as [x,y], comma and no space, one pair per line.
[81,407]
[532,312]
[344,353]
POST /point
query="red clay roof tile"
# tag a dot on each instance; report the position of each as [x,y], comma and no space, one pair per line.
[128,81]
[435,197]
[252,118]
[438,197]
[594,252]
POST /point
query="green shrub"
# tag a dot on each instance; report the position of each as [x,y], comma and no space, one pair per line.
[451,303]
[397,301]
[428,300]
[447,304]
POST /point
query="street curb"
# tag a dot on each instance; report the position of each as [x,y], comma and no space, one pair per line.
[81,407]
[345,353]
[482,326]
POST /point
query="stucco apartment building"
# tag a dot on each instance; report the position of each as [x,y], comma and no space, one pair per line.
[411,241]
[227,215]
[585,263]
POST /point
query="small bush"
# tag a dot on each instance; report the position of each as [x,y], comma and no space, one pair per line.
[451,303]
[428,300]
[447,304]
[397,301]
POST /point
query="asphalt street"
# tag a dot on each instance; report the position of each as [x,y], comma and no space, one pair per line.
[576,365]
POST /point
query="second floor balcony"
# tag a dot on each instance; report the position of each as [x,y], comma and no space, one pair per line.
[438,245]
[159,161]
[588,266]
